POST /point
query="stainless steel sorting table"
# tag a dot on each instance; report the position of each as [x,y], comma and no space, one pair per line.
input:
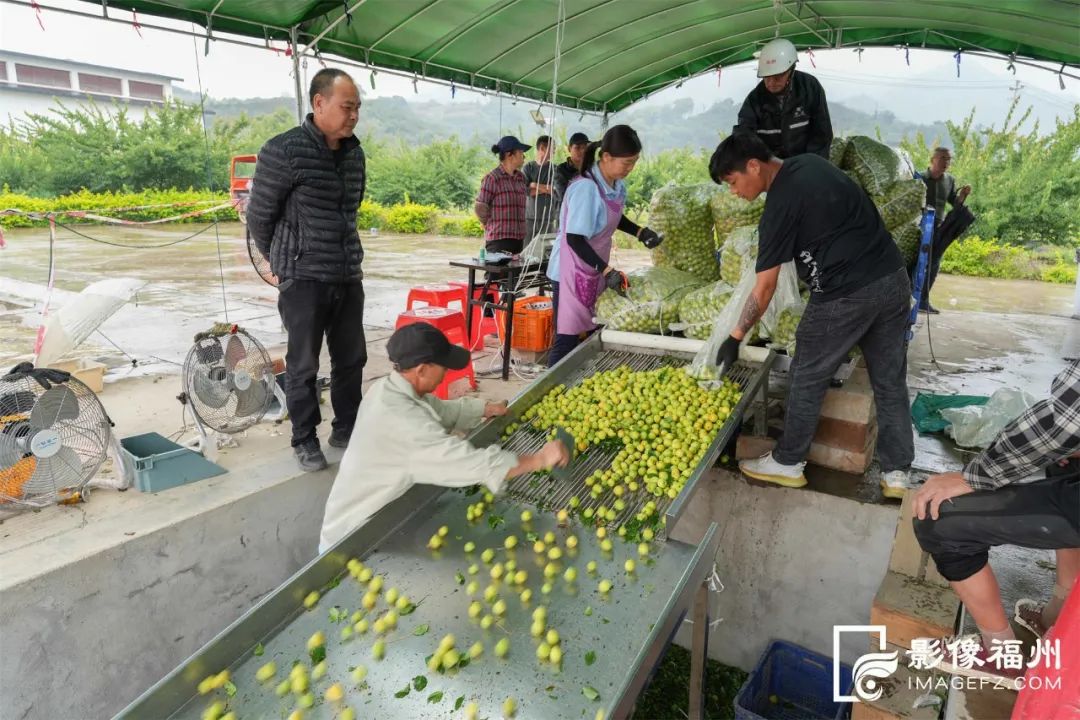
[628,630]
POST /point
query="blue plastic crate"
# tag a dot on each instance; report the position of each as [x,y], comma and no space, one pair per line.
[792,683]
[160,464]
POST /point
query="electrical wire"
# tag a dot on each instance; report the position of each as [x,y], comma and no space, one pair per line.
[170,243]
[209,173]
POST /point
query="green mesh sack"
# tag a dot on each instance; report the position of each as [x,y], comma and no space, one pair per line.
[901,203]
[837,148]
[730,211]
[739,253]
[699,309]
[683,215]
[875,166]
[907,239]
[651,303]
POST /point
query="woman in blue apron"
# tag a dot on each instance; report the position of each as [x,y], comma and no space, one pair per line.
[591,212]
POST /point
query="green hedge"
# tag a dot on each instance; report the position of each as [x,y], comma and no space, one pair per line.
[977,257]
[108,203]
[407,217]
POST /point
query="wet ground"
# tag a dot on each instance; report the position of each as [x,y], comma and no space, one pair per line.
[186,285]
[184,291]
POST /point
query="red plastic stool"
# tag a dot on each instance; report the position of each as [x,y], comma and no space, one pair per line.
[436,296]
[481,326]
[452,323]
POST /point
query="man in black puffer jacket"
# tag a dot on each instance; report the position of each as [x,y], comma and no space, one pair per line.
[308,185]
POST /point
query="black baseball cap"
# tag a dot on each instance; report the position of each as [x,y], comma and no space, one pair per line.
[509,143]
[578,138]
[420,343]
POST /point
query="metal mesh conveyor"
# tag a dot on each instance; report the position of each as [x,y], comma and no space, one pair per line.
[611,643]
[545,491]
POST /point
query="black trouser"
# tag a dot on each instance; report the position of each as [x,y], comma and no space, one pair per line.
[554,302]
[309,309]
[876,319]
[507,245]
[937,251]
[1043,515]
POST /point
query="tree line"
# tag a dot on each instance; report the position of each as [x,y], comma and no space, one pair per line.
[1026,184]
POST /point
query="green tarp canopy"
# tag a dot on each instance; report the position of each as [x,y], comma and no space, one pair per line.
[615,52]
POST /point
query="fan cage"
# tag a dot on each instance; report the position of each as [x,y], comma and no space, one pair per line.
[214,367]
[52,441]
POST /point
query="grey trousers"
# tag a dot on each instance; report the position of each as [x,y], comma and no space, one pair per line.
[876,319]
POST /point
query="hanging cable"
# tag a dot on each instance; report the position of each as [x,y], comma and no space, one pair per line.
[209,171]
[170,243]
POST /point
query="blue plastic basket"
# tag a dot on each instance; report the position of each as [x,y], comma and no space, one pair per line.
[792,683]
[159,463]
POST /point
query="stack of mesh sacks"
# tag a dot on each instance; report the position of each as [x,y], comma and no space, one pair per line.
[735,221]
[886,174]
[651,303]
[684,216]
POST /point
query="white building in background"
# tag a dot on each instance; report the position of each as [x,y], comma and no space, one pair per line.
[33,84]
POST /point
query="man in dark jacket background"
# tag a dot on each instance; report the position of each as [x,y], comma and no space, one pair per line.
[308,185]
[787,109]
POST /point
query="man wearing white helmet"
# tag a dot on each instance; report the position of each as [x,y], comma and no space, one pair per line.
[787,109]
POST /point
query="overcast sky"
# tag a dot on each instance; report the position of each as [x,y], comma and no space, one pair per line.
[928,90]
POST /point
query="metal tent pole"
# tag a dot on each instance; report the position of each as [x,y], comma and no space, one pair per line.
[296,74]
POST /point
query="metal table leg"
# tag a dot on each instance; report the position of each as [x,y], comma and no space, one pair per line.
[469,305]
[699,653]
[761,413]
[508,302]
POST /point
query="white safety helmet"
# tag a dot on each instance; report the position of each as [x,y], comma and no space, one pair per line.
[776,57]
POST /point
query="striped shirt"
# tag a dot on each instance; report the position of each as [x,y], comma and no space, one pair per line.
[1046,432]
[505,195]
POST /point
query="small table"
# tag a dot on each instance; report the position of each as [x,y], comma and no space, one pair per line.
[507,276]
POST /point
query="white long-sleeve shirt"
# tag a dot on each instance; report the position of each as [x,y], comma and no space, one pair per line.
[401,439]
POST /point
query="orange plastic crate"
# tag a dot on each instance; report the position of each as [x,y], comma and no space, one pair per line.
[534,324]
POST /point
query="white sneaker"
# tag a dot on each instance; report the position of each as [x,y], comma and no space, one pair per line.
[895,483]
[766,469]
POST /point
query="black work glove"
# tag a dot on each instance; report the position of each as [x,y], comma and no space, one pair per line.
[617,281]
[728,354]
[650,238]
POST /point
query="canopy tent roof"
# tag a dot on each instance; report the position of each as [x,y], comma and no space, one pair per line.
[615,52]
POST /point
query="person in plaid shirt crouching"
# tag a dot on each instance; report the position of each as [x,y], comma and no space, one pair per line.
[961,515]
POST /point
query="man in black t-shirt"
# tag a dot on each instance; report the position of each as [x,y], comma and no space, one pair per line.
[859,295]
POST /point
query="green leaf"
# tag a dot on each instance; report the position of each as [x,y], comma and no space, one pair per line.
[590,657]
[590,693]
[403,691]
[531,536]
[588,611]
[419,682]
[494,521]
[259,650]
[230,689]
[459,702]
[317,654]
[407,610]
[421,630]
[459,577]
[435,697]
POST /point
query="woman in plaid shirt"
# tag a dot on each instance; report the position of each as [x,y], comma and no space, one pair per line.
[961,515]
[500,205]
